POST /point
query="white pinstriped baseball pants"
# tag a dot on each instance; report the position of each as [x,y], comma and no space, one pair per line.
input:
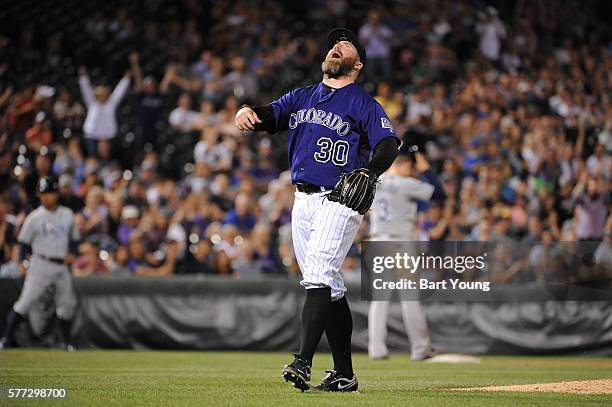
[323,232]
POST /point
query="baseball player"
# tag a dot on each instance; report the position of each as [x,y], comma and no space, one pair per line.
[339,140]
[393,218]
[47,232]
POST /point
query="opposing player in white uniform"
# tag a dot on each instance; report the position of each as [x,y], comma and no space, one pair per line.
[48,232]
[393,218]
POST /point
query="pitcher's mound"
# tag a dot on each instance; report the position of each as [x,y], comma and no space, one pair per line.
[603,386]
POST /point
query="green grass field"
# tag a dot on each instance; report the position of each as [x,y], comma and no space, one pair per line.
[169,378]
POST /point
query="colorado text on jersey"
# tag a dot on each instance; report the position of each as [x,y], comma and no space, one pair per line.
[330,120]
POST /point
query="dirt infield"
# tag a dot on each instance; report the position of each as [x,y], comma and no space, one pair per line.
[602,386]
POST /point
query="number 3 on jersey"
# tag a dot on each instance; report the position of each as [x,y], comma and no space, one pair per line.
[383,210]
[337,152]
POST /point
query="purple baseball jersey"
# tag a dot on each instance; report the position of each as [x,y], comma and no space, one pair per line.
[330,132]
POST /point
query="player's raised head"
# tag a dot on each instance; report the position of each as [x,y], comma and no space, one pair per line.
[345,54]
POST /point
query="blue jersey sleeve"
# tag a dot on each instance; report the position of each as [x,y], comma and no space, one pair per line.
[377,124]
[283,107]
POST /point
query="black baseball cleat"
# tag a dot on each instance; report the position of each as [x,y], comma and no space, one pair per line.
[298,373]
[335,381]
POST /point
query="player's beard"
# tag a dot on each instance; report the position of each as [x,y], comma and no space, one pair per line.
[338,67]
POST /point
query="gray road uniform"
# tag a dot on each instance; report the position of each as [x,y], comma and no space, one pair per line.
[393,218]
[49,234]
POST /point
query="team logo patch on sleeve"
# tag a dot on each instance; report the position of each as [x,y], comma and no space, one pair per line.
[386,124]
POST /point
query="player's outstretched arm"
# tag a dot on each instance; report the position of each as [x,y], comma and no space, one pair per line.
[246,118]
[256,118]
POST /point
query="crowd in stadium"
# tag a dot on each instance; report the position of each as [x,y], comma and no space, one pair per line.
[510,106]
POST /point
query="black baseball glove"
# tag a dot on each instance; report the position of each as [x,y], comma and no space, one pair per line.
[356,190]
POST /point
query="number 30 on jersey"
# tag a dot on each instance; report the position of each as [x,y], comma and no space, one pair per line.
[337,151]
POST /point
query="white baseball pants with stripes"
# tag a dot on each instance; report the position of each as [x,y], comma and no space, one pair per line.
[323,232]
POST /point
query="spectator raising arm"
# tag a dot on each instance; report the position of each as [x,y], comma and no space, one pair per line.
[120,90]
[169,75]
[136,71]
[189,85]
[85,86]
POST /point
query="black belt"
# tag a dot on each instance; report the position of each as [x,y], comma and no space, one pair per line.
[310,188]
[52,259]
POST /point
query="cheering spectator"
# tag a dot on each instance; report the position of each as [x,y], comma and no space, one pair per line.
[491,31]
[101,122]
[151,104]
